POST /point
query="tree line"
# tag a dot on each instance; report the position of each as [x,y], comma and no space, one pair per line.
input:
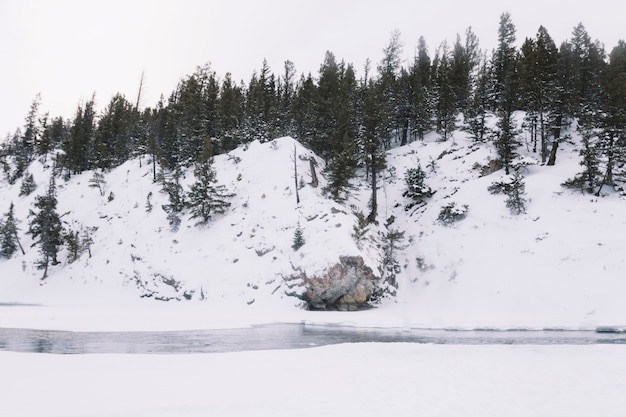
[351,120]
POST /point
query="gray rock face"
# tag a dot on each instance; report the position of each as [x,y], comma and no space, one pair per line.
[347,285]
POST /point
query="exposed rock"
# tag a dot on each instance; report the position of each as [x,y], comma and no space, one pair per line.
[346,286]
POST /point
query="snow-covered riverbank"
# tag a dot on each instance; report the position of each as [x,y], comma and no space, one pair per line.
[344,380]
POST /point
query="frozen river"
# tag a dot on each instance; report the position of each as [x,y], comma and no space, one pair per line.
[279,336]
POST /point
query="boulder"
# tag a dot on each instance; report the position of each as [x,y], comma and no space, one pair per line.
[345,286]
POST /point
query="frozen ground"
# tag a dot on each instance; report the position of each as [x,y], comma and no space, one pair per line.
[346,380]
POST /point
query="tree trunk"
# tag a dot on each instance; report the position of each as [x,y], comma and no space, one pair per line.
[372,216]
[314,182]
[552,160]
[45,267]
[555,142]
[295,173]
[17,239]
[543,138]
[405,132]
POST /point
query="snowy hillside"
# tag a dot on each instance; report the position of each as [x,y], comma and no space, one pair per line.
[558,265]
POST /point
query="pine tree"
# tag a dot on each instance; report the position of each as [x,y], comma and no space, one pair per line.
[360,229]
[505,89]
[72,242]
[176,196]
[505,139]
[392,243]
[420,99]
[515,196]
[446,109]
[205,197]
[78,149]
[374,129]
[612,137]
[28,184]
[46,228]
[476,111]
[503,62]
[588,179]
[298,238]
[230,113]
[342,161]
[115,135]
[417,191]
[9,241]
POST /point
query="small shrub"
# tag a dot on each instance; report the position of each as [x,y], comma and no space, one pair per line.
[416,190]
[149,202]
[514,189]
[298,238]
[451,213]
[360,229]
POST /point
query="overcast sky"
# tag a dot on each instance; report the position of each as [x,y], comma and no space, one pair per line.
[68,49]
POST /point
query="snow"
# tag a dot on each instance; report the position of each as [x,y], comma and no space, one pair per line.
[558,266]
[355,380]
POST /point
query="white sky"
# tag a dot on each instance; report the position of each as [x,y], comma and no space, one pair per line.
[68,49]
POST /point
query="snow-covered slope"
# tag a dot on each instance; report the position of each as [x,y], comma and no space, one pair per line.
[238,257]
[559,265]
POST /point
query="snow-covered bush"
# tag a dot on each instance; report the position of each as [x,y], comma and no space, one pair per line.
[416,190]
[514,188]
[452,212]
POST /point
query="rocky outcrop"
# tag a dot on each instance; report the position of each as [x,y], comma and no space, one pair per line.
[346,286]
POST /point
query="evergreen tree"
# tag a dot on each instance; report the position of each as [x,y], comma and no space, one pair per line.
[416,189]
[588,179]
[341,161]
[505,89]
[262,106]
[304,111]
[230,113]
[9,241]
[463,60]
[392,243]
[45,228]
[538,73]
[298,238]
[588,64]
[420,99]
[286,96]
[176,196]
[476,111]
[503,62]
[193,112]
[446,109]
[374,129]
[114,137]
[205,197]
[45,143]
[506,139]
[32,132]
[28,184]
[515,197]
[612,137]
[391,108]
[78,148]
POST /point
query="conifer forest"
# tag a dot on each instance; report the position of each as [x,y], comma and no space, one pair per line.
[347,116]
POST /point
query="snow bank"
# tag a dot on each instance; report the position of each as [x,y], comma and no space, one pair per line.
[356,380]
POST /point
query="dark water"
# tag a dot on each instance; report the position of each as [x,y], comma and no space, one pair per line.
[278,336]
